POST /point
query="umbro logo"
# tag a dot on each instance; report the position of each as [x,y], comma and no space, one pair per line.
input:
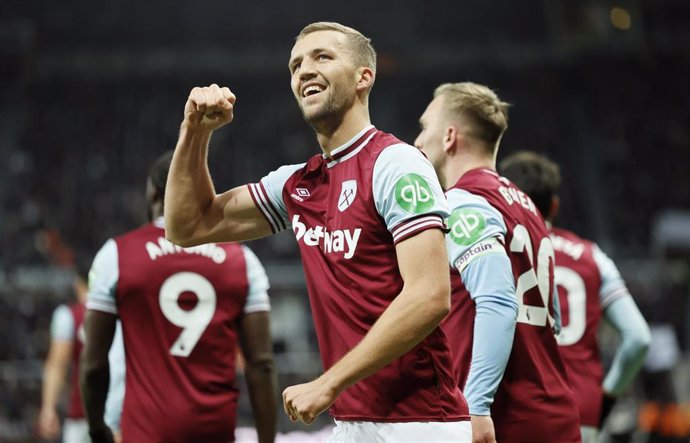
[300,194]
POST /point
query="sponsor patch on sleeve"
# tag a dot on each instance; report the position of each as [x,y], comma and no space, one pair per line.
[466,226]
[484,247]
[413,194]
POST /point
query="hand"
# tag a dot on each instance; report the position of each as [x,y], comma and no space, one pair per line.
[48,424]
[117,437]
[209,107]
[483,429]
[306,401]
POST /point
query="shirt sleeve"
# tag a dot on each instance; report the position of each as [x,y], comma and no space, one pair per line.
[103,278]
[407,193]
[626,318]
[475,229]
[612,284]
[268,196]
[116,389]
[490,282]
[257,296]
[62,324]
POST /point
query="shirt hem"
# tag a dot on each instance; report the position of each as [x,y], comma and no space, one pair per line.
[434,419]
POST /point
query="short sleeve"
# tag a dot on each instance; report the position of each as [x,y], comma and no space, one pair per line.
[612,284]
[407,193]
[103,278]
[62,324]
[268,196]
[257,296]
[475,228]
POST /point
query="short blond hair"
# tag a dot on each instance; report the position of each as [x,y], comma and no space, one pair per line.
[361,49]
[480,106]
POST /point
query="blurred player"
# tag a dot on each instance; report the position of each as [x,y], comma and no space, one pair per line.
[367,214]
[67,339]
[183,312]
[499,245]
[589,285]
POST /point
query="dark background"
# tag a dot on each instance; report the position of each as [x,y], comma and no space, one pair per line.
[92,92]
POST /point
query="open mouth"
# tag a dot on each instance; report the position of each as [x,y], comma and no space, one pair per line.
[312,90]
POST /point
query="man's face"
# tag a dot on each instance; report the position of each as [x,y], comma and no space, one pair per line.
[324,78]
[432,133]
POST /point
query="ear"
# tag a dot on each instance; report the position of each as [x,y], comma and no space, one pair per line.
[555,206]
[365,78]
[451,138]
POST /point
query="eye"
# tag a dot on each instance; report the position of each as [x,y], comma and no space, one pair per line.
[322,57]
[295,67]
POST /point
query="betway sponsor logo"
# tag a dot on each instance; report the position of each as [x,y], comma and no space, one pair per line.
[165,247]
[329,241]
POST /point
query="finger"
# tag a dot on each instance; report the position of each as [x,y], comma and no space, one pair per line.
[308,419]
[286,407]
[228,95]
[197,99]
[218,96]
[210,101]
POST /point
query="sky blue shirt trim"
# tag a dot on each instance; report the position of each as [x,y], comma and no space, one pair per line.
[626,318]
[490,282]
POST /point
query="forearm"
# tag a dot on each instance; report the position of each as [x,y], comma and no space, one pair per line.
[635,338]
[412,315]
[261,384]
[494,330]
[189,189]
[94,380]
[53,381]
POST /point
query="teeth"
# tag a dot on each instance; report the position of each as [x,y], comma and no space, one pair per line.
[312,89]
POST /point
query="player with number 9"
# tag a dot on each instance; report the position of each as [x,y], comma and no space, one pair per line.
[589,287]
[504,313]
[184,314]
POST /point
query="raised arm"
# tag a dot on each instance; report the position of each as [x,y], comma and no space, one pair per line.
[194,214]
[413,314]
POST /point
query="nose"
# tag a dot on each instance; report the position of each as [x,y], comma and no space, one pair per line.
[306,70]
[418,142]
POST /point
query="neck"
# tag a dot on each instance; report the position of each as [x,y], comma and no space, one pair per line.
[333,135]
[460,164]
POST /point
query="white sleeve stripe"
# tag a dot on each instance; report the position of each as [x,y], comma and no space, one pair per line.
[613,296]
[257,307]
[412,228]
[405,224]
[99,305]
[271,207]
[254,191]
[260,199]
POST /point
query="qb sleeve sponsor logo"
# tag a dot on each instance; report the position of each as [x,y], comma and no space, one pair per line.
[466,226]
[413,194]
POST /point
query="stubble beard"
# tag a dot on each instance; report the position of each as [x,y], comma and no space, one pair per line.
[328,116]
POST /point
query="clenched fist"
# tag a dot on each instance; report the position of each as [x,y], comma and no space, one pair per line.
[209,107]
[306,401]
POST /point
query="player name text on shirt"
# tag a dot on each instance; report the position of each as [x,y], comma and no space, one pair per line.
[568,247]
[512,195]
[165,247]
